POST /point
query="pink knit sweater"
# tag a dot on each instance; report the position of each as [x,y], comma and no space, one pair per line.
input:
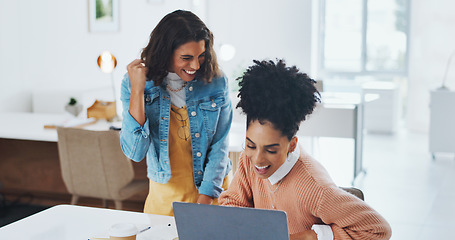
[308,196]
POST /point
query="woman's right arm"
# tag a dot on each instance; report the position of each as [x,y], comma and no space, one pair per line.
[136,72]
[135,134]
[239,193]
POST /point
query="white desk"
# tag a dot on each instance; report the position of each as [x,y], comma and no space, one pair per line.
[442,122]
[68,222]
[340,121]
[30,126]
[383,115]
[339,115]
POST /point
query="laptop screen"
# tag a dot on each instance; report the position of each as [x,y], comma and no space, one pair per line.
[201,221]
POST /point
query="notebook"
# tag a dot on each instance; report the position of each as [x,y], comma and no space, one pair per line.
[201,221]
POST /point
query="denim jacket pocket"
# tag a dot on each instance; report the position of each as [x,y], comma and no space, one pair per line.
[211,112]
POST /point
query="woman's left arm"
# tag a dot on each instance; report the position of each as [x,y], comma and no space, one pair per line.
[350,217]
[218,152]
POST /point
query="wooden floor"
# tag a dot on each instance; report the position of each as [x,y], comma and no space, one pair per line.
[52,199]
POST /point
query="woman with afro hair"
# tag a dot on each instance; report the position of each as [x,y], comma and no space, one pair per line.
[275,173]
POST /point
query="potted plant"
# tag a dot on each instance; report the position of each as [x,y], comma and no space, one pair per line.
[73,107]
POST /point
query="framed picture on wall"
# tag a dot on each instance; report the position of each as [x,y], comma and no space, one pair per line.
[103,15]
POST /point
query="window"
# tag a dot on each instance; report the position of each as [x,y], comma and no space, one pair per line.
[363,37]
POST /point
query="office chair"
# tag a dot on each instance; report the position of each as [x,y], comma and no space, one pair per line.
[319,85]
[93,165]
[354,191]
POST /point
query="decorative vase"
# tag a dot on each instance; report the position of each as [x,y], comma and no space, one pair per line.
[74,109]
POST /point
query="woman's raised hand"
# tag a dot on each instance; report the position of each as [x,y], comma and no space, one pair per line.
[137,72]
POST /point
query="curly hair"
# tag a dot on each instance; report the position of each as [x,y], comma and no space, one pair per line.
[278,94]
[175,29]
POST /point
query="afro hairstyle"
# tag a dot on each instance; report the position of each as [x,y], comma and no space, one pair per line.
[278,94]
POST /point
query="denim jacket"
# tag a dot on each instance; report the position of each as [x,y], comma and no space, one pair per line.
[210,116]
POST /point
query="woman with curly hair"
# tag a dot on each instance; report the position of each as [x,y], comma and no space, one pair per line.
[177,114]
[275,173]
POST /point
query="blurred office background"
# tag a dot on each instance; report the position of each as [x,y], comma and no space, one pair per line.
[46,44]
[48,47]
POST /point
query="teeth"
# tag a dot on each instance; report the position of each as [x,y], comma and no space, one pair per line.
[261,167]
[189,72]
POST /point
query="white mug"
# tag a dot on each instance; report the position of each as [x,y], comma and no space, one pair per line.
[123,231]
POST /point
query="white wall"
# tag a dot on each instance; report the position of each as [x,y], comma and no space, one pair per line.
[46,44]
[432,40]
[262,29]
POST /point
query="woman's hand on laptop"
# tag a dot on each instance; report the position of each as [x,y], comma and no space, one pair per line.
[305,235]
[204,199]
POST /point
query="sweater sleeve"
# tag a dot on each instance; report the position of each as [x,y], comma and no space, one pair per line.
[350,217]
[239,193]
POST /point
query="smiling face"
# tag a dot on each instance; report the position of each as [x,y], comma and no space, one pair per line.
[267,148]
[187,59]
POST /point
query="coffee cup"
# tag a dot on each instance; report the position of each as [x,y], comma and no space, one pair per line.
[123,231]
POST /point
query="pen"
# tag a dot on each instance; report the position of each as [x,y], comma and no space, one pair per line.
[145,229]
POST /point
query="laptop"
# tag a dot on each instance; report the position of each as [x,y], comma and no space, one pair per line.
[201,221]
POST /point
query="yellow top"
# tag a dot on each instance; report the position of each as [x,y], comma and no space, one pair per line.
[181,186]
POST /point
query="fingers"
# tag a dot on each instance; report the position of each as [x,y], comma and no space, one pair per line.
[137,63]
[137,67]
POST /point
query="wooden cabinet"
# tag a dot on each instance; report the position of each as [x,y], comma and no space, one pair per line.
[31,169]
